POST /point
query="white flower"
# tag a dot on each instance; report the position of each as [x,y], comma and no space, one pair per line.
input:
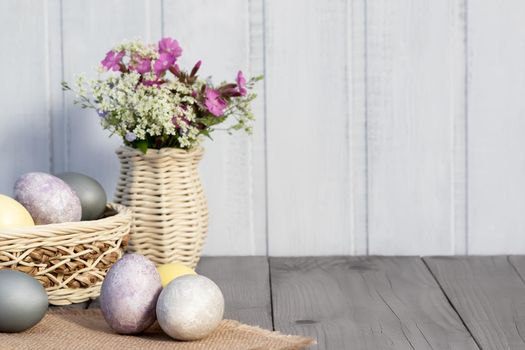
[169,112]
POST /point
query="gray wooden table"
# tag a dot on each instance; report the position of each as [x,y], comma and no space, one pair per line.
[378,302]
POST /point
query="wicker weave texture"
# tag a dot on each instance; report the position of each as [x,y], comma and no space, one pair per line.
[170,211]
[69,259]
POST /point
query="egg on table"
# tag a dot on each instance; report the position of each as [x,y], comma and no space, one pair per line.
[190,307]
[91,194]
[47,198]
[23,301]
[13,214]
[129,294]
[168,272]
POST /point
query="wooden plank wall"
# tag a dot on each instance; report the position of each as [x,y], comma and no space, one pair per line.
[415,96]
[384,127]
[496,124]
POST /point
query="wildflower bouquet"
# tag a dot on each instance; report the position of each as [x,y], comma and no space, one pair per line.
[144,96]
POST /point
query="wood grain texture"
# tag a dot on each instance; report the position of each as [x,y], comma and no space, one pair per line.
[496,126]
[25,110]
[364,303]
[89,150]
[518,262]
[415,91]
[218,33]
[488,294]
[244,281]
[307,128]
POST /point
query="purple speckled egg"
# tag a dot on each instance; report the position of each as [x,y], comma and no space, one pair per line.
[47,198]
[129,294]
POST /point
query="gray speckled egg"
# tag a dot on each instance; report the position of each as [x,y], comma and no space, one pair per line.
[190,307]
[47,198]
[23,301]
[129,294]
[91,194]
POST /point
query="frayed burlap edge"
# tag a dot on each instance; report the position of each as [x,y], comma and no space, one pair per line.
[276,339]
[297,342]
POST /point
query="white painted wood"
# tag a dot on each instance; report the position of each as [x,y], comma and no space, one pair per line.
[24,112]
[357,133]
[58,130]
[258,170]
[90,29]
[307,128]
[458,95]
[218,33]
[414,89]
[367,144]
[496,127]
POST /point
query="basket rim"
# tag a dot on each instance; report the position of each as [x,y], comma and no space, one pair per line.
[162,152]
[123,214]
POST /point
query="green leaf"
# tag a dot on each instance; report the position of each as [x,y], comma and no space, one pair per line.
[211,120]
[142,145]
[238,126]
[206,133]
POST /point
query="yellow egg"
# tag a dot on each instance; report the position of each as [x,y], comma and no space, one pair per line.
[168,272]
[13,214]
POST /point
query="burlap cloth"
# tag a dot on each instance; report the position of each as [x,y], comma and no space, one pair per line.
[86,329]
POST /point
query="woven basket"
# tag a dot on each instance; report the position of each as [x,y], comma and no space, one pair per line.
[170,212]
[69,259]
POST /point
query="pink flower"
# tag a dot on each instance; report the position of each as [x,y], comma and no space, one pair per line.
[141,65]
[164,62]
[197,65]
[156,83]
[169,50]
[112,60]
[241,83]
[175,70]
[215,104]
[170,46]
[195,68]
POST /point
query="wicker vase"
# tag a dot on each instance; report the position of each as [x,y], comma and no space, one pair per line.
[170,212]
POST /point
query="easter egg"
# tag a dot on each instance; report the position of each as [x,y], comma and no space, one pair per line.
[13,214]
[23,301]
[190,307]
[48,199]
[91,194]
[129,294]
[168,272]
